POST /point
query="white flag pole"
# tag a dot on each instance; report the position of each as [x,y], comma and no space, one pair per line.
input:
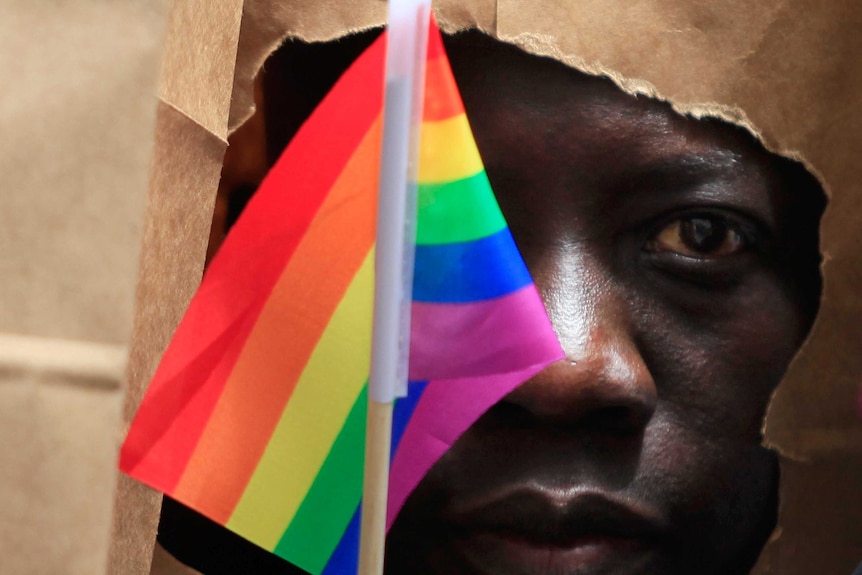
[393,264]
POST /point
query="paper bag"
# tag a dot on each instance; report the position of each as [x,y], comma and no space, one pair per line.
[77,116]
[85,124]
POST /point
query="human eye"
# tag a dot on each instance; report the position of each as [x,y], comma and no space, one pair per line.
[706,247]
[702,236]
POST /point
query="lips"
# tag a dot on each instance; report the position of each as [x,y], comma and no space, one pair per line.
[540,531]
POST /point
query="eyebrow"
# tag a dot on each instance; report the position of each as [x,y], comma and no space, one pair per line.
[696,175]
[681,171]
[714,163]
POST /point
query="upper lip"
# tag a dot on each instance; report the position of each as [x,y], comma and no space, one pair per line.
[558,518]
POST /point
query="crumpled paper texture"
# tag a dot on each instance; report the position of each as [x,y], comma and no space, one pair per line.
[190,141]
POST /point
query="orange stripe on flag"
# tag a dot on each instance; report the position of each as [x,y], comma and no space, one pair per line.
[284,337]
[442,99]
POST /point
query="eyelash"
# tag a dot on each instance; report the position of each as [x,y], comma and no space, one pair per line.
[691,229]
[706,269]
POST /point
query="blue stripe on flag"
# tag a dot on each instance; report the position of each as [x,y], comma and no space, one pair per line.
[470,271]
[403,411]
[345,559]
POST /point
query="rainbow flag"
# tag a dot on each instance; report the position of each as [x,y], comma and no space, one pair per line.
[256,414]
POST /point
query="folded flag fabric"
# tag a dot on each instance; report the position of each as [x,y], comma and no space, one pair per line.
[256,415]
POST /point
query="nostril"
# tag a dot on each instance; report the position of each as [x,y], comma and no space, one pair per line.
[610,392]
[552,404]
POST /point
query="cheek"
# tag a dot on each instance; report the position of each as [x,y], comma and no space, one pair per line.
[717,357]
[724,494]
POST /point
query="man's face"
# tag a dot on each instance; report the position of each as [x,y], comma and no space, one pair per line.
[678,264]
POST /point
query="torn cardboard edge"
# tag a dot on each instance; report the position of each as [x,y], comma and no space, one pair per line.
[295,26]
[185,173]
[253,56]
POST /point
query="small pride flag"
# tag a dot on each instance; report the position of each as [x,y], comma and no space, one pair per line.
[256,414]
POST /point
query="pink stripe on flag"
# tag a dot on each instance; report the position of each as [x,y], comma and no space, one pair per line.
[446,410]
[505,334]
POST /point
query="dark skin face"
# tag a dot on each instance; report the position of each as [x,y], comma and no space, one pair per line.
[678,263]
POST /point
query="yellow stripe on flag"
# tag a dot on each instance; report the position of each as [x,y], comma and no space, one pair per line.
[329,385]
[448,151]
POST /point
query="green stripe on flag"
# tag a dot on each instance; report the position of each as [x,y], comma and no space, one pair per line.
[329,505]
[459,211]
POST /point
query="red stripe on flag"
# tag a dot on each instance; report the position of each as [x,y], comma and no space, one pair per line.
[287,331]
[442,98]
[263,240]
[171,419]
[435,41]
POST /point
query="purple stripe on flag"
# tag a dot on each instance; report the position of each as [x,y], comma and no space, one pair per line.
[445,411]
[505,334]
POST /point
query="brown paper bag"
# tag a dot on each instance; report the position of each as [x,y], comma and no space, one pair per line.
[783,68]
[77,116]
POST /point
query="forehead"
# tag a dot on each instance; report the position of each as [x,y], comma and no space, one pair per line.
[541,125]
[544,128]
[546,105]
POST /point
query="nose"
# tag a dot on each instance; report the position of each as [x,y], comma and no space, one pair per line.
[604,382]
